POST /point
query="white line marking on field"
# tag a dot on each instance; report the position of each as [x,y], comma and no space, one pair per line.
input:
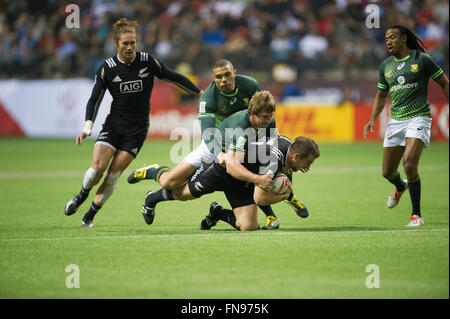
[215,234]
[314,170]
[49,174]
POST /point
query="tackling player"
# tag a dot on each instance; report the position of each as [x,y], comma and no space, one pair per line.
[405,74]
[227,94]
[129,78]
[239,136]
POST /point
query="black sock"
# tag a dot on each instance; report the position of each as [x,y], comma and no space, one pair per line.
[225,215]
[290,196]
[399,183]
[159,196]
[414,193]
[92,211]
[84,193]
[268,210]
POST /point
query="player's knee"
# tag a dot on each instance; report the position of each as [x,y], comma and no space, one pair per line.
[388,174]
[248,226]
[99,166]
[168,183]
[182,193]
[411,169]
[259,200]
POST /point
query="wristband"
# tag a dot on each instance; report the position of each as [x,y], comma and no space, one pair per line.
[88,127]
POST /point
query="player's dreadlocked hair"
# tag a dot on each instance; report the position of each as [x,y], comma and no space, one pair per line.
[123,26]
[412,40]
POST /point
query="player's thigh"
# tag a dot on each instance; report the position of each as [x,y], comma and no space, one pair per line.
[177,176]
[413,149]
[411,157]
[391,160]
[246,217]
[102,156]
[207,179]
[120,161]
[133,138]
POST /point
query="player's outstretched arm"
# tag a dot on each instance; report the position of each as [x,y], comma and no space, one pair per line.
[378,105]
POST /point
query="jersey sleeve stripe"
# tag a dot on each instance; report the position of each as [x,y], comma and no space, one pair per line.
[158,64]
[286,139]
[144,56]
[206,115]
[97,104]
[111,62]
[181,86]
[278,153]
[382,86]
[437,74]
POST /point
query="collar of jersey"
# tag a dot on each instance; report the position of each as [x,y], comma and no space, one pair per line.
[287,153]
[231,94]
[401,60]
[125,62]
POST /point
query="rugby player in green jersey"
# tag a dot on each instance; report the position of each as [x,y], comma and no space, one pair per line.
[226,95]
[244,169]
[405,74]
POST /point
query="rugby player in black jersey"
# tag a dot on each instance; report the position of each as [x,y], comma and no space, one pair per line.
[243,168]
[129,78]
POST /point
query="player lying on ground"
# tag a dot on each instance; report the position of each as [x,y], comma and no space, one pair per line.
[405,74]
[226,95]
[242,194]
[241,133]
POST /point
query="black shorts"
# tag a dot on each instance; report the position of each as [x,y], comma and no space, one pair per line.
[212,177]
[123,135]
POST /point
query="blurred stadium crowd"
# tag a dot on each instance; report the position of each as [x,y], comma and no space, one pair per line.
[319,38]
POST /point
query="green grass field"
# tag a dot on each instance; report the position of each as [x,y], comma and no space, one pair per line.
[323,256]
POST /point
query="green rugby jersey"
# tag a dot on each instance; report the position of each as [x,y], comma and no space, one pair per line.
[215,106]
[407,81]
[236,133]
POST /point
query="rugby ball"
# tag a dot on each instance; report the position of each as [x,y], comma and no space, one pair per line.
[281,184]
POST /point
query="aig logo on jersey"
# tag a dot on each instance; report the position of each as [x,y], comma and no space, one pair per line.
[131,86]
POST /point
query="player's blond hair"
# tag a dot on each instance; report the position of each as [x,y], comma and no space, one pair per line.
[124,26]
[261,101]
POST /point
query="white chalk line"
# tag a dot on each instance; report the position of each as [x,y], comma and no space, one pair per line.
[233,233]
[314,170]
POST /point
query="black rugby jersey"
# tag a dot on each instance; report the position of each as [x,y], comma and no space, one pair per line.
[131,86]
[271,157]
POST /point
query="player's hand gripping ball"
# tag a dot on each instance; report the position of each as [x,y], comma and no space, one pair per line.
[281,184]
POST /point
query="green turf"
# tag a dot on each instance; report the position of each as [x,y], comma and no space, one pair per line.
[323,256]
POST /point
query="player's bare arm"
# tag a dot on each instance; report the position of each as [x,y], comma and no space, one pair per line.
[262,197]
[443,83]
[238,171]
[380,100]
